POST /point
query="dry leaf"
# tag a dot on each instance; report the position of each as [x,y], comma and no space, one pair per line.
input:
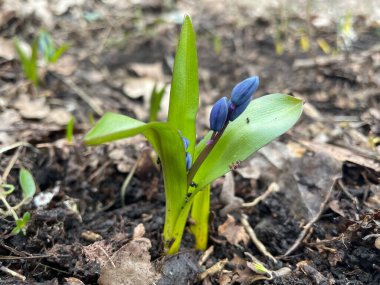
[151,70]
[7,50]
[32,109]
[227,196]
[232,232]
[72,281]
[66,65]
[59,116]
[130,265]
[334,205]
[342,154]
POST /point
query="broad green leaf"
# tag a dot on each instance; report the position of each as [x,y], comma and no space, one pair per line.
[199,215]
[265,119]
[27,183]
[184,99]
[169,146]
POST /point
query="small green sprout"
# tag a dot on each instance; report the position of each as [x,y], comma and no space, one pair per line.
[189,168]
[29,62]
[47,48]
[70,130]
[28,187]
[42,44]
[21,224]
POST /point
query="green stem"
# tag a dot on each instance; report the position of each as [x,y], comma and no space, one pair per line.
[9,208]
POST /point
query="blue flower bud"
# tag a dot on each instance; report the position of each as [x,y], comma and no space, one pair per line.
[237,111]
[219,114]
[186,142]
[244,90]
[188,161]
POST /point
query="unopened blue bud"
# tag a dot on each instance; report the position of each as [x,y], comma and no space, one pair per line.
[239,110]
[243,91]
[186,142]
[219,114]
[188,161]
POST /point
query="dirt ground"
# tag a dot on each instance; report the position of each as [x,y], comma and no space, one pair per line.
[319,223]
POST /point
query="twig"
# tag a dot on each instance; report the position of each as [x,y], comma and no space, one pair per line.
[81,93]
[14,145]
[206,255]
[109,258]
[345,190]
[217,267]
[260,246]
[10,257]
[128,179]
[13,273]
[10,165]
[312,221]
[273,187]
[4,178]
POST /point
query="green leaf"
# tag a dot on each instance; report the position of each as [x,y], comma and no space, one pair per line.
[155,102]
[184,99]
[21,224]
[16,230]
[20,52]
[199,215]
[27,183]
[169,146]
[45,44]
[265,119]
[58,52]
[70,129]
[29,64]
[33,67]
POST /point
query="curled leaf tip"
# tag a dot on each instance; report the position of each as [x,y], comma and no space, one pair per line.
[218,116]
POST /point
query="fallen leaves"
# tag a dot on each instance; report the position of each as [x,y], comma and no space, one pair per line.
[35,108]
[232,232]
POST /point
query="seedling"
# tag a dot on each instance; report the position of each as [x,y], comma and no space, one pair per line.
[189,168]
[29,62]
[70,130]
[44,45]
[47,48]
[28,188]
